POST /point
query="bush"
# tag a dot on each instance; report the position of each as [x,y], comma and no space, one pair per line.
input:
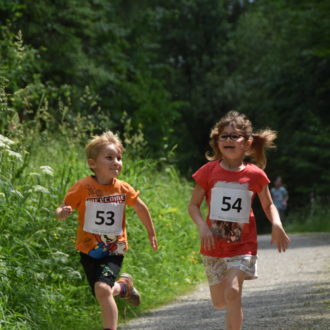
[42,284]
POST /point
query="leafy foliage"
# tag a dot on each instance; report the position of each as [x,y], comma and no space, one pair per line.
[37,251]
[281,79]
[174,68]
[161,73]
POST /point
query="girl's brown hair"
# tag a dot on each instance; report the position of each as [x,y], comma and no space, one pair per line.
[261,140]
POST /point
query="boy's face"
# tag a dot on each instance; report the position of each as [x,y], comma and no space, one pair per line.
[107,164]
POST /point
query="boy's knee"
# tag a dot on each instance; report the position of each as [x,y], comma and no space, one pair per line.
[102,290]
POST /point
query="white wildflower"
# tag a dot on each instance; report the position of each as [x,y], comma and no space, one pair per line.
[35,174]
[41,189]
[47,170]
[4,141]
[15,193]
[14,154]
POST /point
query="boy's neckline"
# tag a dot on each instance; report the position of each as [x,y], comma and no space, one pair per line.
[93,177]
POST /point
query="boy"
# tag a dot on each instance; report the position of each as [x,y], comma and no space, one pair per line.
[101,234]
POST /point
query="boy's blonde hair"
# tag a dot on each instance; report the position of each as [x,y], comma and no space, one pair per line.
[95,145]
[261,140]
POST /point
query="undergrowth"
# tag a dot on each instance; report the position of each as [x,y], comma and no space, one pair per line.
[42,285]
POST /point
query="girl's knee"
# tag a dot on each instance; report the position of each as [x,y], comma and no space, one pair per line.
[219,304]
[232,294]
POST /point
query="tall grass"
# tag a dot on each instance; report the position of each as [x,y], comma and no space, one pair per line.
[315,218]
[42,285]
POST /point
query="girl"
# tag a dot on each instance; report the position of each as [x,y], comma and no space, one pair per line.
[229,237]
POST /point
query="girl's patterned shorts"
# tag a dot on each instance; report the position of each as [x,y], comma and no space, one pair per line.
[216,268]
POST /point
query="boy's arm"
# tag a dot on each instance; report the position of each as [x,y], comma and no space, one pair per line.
[197,197]
[278,233]
[63,211]
[143,213]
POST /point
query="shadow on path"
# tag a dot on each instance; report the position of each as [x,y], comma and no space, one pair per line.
[297,241]
[292,292]
[291,307]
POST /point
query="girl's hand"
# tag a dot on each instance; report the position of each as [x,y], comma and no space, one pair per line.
[63,212]
[280,238]
[153,242]
[206,236]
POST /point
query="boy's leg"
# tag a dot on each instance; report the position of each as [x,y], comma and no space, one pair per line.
[105,297]
[109,311]
[127,290]
[101,275]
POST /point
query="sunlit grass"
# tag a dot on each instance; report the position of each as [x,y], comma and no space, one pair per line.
[42,285]
[316,219]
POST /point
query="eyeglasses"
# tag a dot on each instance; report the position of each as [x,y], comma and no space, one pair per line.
[232,137]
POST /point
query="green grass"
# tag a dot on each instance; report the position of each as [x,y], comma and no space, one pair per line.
[42,285]
[316,219]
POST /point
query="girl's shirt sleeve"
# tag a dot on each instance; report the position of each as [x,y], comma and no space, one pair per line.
[201,176]
[260,181]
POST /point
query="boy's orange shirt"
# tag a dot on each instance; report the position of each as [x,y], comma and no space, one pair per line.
[95,245]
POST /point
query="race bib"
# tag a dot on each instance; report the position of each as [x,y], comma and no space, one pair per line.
[230,202]
[103,217]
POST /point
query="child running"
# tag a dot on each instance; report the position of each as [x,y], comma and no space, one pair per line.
[101,234]
[228,236]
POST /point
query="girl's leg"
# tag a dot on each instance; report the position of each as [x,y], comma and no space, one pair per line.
[217,295]
[233,297]
[105,297]
[228,294]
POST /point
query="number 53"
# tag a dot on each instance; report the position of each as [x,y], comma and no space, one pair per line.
[101,216]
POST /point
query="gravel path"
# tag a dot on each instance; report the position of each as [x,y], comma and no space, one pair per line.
[292,292]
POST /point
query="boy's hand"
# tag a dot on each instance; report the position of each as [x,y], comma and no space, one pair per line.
[153,242]
[63,212]
[280,238]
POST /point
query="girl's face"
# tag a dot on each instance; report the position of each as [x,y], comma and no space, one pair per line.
[107,165]
[233,144]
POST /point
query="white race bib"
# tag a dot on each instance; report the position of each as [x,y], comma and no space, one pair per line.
[103,218]
[230,201]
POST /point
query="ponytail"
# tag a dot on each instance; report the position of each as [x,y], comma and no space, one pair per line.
[262,140]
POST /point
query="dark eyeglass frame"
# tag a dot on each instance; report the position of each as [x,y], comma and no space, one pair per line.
[232,137]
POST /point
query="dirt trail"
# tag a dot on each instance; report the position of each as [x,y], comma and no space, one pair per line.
[292,292]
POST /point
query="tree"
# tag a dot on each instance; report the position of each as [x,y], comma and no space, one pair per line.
[280,80]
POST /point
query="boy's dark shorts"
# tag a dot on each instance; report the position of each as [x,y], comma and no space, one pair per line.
[101,270]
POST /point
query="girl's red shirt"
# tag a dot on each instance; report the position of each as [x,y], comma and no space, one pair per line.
[207,176]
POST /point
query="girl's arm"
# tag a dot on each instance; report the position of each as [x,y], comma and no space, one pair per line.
[205,233]
[142,211]
[279,237]
[63,211]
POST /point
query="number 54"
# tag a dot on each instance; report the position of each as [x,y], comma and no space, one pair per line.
[226,201]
